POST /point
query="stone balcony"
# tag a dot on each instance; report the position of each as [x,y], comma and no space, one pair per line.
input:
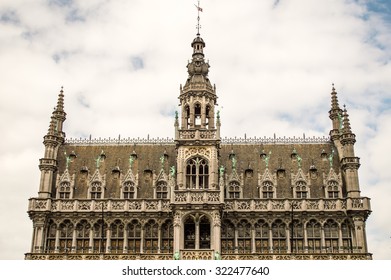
[309,205]
[88,205]
[197,134]
[197,197]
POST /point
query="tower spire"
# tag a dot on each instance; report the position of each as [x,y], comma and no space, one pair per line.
[199,9]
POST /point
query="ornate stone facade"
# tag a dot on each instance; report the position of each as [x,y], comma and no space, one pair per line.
[199,196]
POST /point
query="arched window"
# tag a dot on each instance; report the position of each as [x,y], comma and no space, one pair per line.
[83,236]
[96,190]
[117,237]
[66,234]
[314,236]
[134,236]
[51,237]
[227,237]
[197,173]
[331,236]
[298,237]
[151,237]
[346,237]
[64,191]
[167,236]
[301,190]
[332,189]
[99,235]
[187,116]
[128,190]
[207,116]
[197,115]
[234,189]
[279,237]
[161,190]
[261,237]
[244,237]
[267,190]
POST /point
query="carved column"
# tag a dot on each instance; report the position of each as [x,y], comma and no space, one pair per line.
[57,242]
[74,235]
[359,226]
[108,240]
[91,242]
[178,237]
[216,232]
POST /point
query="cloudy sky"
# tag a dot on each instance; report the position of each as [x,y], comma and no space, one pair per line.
[121,63]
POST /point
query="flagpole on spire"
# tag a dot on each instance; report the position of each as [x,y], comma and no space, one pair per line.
[199,9]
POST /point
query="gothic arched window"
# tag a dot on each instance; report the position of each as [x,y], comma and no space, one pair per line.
[151,237]
[227,237]
[234,189]
[197,173]
[197,115]
[267,190]
[167,236]
[99,237]
[161,190]
[244,237]
[346,237]
[314,236]
[128,190]
[301,190]
[332,189]
[298,237]
[66,234]
[331,236]
[134,236]
[64,191]
[261,237]
[51,237]
[279,237]
[83,236]
[117,236]
[96,190]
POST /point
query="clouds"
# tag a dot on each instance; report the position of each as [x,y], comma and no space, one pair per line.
[121,63]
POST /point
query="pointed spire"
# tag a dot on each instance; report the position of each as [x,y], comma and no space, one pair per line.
[60,101]
[346,122]
[334,99]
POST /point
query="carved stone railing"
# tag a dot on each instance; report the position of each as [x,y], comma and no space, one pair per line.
[238,205]
[309,256]
[198,255]
[196,197]
[70,256]
[197,134]
[87,205]
[190,135]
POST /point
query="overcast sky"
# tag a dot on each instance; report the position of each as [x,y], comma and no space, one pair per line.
[121,64]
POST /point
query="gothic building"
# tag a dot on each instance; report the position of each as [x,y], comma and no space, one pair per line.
[198,195]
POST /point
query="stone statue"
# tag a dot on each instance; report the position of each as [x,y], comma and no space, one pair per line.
[172,171]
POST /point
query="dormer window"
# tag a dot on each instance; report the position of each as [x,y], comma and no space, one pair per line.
[96,190]
[197,173]
[128,190]
[161,190]
[64,191]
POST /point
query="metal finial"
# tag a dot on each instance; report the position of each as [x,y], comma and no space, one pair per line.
[199,9]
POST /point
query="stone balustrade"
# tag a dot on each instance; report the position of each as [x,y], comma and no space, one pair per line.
[196,197]
[87,205]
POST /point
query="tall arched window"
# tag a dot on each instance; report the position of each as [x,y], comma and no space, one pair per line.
[197,115]
[314,236]
[298,237]
[279,237]
[346,237]
[66,234]
[83,236]
[227,237]
[197,173]
[167,236]
[331,236]
[99,235]
[134,236]
[117,237]
[151,237]
[261,237]
[244,237]
[51,237]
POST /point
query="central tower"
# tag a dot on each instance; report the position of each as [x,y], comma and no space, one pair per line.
[197,198]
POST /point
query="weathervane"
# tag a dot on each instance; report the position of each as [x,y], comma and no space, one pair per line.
[199,9]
